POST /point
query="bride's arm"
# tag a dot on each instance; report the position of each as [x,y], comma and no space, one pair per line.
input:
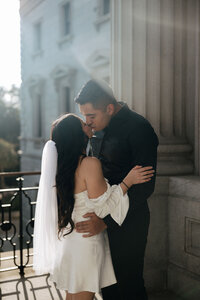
[105,199]
[95,181]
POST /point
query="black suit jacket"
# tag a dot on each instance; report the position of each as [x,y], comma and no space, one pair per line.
[128,140]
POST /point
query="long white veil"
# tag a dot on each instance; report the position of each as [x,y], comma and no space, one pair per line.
[46,214]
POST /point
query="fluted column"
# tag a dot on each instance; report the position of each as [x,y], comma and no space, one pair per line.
[179,69]
[153,70]
[153,64]
[121,50]
[167,68]
[139,56]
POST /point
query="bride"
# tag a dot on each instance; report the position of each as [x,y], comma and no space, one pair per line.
[72,184]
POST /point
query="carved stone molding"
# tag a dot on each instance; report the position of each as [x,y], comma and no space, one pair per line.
[35,85]
[98,58]
[192,236]
[175,159]
[62,71]
[98,64]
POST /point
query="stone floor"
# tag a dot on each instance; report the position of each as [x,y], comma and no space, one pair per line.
[30,287]
[33,287]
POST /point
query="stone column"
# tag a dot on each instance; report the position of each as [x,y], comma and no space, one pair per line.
[197,94]
[167,68]
[153,64]
[153,71]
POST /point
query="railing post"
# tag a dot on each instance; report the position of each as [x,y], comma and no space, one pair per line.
[21,236]
[9,228]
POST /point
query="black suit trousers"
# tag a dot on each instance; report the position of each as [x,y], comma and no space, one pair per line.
[127,246]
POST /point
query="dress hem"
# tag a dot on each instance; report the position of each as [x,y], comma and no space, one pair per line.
[60,287]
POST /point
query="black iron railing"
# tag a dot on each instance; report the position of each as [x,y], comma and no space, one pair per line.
[8,228]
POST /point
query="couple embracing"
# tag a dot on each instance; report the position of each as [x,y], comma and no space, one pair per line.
[92,216]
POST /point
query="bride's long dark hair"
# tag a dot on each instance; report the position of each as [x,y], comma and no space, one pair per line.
[70,142]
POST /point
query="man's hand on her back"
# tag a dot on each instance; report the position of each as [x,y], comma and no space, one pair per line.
[93,226]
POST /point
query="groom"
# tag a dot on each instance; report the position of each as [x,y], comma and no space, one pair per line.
[128,140]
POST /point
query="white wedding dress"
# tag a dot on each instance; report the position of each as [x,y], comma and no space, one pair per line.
[75,263]
[84,264]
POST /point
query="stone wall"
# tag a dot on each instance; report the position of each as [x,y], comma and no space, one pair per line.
[184,236]
[173,251]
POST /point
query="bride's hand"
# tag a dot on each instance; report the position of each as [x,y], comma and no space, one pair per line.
[138,175]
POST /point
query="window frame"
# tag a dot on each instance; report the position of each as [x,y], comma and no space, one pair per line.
[37,49]
[101,17]
[62,18]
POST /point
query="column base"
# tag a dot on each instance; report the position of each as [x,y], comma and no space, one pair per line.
[175,160]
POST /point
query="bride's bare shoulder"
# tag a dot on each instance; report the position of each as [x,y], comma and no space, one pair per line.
[90,161]
[90,164]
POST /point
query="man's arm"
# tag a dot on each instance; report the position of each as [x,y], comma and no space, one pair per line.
[145,155]
[113,202]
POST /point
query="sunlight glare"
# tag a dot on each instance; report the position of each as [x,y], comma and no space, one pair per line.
[10,43]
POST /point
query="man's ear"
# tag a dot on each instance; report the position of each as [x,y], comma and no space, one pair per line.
[110,109]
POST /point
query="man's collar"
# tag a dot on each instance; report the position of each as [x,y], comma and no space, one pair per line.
[119,116]
[121,113]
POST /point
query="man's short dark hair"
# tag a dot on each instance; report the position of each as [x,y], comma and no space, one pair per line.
[96,92]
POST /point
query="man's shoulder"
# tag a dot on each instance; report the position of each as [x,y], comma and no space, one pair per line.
[136,119]
[140,127]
